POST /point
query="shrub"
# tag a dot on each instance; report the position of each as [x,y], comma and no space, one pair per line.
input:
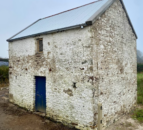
[4,74]
[4,59]
[140,68]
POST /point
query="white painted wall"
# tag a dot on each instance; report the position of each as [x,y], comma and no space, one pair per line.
[61,63]
[100,58]
[115,53]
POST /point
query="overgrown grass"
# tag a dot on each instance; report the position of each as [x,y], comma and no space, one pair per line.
[140,88]
[4,76]
[138,113]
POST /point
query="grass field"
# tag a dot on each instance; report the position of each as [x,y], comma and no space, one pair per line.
[138,113]
[140,88]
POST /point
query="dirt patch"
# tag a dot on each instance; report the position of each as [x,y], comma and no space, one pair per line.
[3,85]
[126,123]
[13,117]
[11,109]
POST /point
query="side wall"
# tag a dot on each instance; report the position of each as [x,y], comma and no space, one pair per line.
[115,61]
[67,58]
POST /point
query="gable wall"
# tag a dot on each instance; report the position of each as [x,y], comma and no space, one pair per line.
[67,58]
[115,59]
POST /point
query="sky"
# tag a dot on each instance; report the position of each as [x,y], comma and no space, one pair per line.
[18,14]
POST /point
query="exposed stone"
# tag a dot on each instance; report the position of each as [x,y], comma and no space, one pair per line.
[100,59]
[69,92]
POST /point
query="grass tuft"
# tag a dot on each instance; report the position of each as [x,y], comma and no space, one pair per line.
[138,114]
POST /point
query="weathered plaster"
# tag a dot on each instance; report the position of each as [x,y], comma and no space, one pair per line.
[115,60]
[100,59]
[66,59]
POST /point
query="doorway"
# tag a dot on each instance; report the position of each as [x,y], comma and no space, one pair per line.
[40,94]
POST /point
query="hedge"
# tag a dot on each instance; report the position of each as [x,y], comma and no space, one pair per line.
[140,68]
[4,74]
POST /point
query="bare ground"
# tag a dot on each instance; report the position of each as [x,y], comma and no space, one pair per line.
[126,123]
[14,118]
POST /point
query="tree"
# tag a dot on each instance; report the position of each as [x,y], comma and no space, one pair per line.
[139,56]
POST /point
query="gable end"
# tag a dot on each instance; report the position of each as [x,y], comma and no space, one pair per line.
[102,10]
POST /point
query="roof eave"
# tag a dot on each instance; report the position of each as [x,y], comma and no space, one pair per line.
[48,32]
[23,29]
[89,22]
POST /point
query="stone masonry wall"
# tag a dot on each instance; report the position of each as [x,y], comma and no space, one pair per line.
[100,59]
[115,60]
[66,58]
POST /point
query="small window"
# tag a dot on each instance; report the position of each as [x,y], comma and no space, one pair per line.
[40,45]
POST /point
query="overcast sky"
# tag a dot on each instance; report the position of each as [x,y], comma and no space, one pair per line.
[17,14]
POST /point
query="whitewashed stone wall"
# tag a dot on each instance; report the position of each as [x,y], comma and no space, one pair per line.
[66,58]
[115,60]
[101,59]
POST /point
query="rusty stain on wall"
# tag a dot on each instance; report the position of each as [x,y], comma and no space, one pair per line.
[69,92]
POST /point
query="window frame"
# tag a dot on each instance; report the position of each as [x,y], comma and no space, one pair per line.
[38,48]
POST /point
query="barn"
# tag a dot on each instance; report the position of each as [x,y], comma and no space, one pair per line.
[66,64]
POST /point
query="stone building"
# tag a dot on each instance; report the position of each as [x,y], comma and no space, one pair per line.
[65,64]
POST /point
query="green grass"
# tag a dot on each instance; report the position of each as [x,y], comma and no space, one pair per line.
[140,88]
[138,113]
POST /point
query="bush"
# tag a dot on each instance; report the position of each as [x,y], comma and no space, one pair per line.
[4,59]
[4,74]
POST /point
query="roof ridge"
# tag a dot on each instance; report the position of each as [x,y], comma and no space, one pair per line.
[71,9]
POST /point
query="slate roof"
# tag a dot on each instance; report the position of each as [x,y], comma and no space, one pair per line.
[75,18]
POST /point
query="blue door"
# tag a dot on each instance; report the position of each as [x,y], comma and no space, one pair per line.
[40,101]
